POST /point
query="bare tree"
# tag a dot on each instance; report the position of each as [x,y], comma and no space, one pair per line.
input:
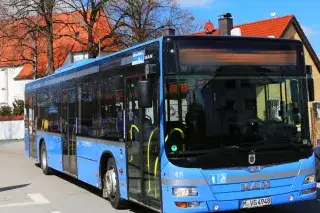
[89,13]
[34,18]
[147,19]
[21,43]
[129,21]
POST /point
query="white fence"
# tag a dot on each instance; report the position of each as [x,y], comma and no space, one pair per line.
[11,130]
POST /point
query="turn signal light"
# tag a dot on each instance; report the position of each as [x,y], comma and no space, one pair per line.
[187,204]
[309,191]
[182,204]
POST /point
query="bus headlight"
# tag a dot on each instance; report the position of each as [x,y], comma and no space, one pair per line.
[309,179]
[185,191]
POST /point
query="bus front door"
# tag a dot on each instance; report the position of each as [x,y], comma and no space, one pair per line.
[143,174]
[68,115]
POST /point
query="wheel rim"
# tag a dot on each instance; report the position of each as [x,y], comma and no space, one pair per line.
[44,159]
[111,182]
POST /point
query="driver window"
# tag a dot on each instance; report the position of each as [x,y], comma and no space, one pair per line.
[279,102]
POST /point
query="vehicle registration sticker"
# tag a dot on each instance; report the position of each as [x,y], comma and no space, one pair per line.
[253,203]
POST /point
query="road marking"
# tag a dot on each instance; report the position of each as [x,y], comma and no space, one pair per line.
[37,199]
[56,212]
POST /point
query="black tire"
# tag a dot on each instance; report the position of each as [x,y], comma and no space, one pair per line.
[114,198]
[44,160]
[317,169]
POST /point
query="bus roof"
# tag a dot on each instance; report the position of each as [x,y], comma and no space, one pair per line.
[89,63]
[86,63]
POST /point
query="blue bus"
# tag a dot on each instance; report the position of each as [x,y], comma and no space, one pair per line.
[180,123]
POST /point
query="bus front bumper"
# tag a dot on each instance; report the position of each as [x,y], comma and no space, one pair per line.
[229,205]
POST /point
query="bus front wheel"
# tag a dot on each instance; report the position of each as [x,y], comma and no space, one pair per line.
[111,186]
[44,160]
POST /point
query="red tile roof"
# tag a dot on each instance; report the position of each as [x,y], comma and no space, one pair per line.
[269,27]
[12,53]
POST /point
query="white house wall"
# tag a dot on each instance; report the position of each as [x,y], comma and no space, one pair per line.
[9,88]
[3,87]
[11,130]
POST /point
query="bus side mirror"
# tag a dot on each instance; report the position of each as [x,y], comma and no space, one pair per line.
[310,83]
[145,94]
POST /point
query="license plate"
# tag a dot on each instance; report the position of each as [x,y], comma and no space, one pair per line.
[253,203]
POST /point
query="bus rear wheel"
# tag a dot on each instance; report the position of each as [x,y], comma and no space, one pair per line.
[44,160]
[111,188]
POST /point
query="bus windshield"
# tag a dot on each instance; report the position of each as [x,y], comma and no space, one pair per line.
[216,106]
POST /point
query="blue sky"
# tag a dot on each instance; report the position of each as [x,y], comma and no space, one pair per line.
[306,11]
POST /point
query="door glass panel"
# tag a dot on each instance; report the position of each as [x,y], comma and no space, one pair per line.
[134,161]
[26,126]
[72,130]
[151,150]
[65,126]
[32,127]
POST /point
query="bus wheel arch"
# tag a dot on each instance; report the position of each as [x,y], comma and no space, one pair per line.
[106,155]
[108,168]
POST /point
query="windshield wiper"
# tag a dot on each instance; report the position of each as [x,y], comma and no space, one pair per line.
[202,153]
[197,153]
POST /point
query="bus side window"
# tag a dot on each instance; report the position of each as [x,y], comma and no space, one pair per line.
[42,102]
[53,109]
[111,103]
[87,98]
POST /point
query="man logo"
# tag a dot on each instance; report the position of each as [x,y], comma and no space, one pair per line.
[252,158]
[255,186]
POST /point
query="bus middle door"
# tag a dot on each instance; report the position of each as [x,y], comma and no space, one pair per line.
[68,114]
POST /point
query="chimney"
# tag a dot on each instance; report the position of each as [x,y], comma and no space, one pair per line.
[169,32]
[225,24]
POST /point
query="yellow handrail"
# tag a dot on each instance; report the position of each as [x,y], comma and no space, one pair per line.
[157,159]
[173,130]
[133,126]
[131,137]
[148,157]
[155,175]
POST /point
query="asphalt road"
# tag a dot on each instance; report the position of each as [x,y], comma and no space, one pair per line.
[24,188]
